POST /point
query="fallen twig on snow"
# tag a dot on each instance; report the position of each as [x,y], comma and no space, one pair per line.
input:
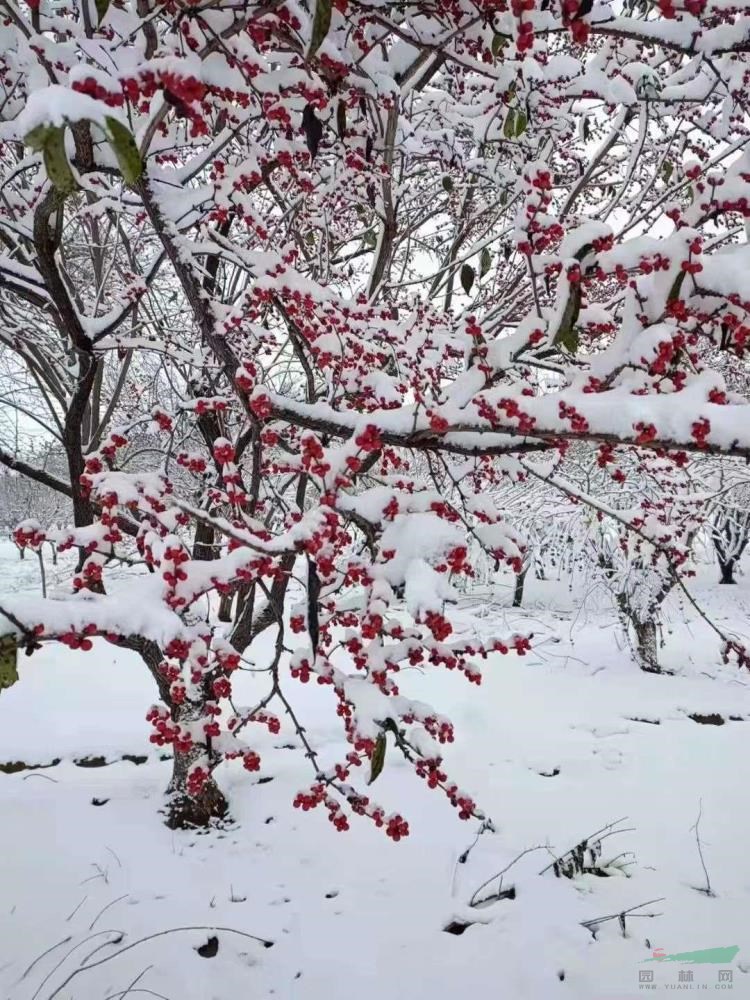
[706,890]
[593,925]
[500,893]
[134,944]
[584,856]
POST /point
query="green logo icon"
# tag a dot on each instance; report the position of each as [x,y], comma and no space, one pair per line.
[713,956]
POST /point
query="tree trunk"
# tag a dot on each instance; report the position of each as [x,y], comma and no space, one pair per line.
[518,592]
[186,812]
[183,811]
[189,811]
[647,646]
[225,607]
[204,545]
[83,511]
[730,537]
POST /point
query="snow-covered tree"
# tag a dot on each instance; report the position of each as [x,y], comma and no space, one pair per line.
[730,533]
[728,522]
[365,262]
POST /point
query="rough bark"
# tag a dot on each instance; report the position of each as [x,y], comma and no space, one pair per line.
[183,811]
[204,544]
[518,590]
[83,511]
[647,646]
[47,230]
[224,613]
[186,811]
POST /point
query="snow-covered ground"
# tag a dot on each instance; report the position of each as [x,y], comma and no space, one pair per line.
[554,746]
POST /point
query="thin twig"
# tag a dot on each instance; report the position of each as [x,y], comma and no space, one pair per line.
[105,908]
[708,891]
[591,837]
[151,993]
[140,976]
[44,953]
[150,937]
[64,958]
[475,902]
[591,924]
[119,863]
[73,913]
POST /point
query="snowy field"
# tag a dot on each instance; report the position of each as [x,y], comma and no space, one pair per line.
[554,746]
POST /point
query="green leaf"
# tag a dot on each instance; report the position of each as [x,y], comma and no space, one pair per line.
[123,146]
[378,757]
[521,123]
[485,262]
[569,339]
[447,184]
[567,333]
[509,128]
[321,24]
[498,44]
[56,161]
[370,238]
[50,141]
[467,277]
[667,170]
[37,137]
[8,661]
[102,6]
[674,291]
